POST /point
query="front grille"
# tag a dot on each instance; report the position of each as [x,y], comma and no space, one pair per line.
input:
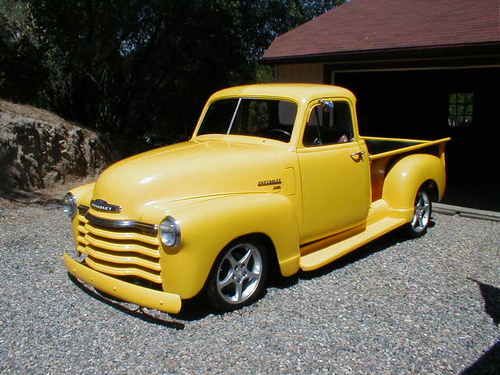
[122,248]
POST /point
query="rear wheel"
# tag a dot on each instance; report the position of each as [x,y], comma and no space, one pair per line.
[239,275]
[421,216]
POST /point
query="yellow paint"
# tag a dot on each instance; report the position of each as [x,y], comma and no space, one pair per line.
[421,145]
[146,297]
[328,254]
[321,210]
[408,174]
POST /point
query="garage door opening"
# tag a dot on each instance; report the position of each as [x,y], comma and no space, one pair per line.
[430,104]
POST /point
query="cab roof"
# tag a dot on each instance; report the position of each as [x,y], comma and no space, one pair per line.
[300,92]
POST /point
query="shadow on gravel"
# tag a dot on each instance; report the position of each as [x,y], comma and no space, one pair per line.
[491,298]
[196,309]
[192,310]
[142,314]
[487,364]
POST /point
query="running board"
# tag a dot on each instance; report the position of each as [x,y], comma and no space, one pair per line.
[327,255]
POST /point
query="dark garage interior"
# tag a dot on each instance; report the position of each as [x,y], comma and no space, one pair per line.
[430,104]
[421,72]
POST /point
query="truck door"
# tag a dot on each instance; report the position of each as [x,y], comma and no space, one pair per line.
[334,169]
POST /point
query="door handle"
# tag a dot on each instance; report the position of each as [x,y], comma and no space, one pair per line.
[357,156]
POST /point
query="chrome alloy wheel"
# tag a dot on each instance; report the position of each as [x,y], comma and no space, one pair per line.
[239,273]
[422,213]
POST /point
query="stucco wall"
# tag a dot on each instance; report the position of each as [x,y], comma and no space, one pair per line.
[310,73]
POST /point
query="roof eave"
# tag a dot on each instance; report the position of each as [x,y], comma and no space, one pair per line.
[492,47]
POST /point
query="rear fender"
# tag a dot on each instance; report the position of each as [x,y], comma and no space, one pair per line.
[407,175]
[210,225]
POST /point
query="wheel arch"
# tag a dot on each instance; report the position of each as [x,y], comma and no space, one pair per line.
[408,175]
[209,227]
[260,237]
[431,187]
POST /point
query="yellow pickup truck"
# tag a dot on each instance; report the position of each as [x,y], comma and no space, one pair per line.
[276,178]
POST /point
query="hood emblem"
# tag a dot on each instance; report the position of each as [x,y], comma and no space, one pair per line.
[102,205]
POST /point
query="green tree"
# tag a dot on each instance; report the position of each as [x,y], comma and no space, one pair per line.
[137,66]
[21,73]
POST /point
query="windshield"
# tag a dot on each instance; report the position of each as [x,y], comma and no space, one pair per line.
[254,117]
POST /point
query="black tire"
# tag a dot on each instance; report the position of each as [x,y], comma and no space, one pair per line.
[417,227]
[239,275]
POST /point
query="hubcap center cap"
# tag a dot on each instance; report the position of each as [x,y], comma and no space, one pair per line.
[239,273]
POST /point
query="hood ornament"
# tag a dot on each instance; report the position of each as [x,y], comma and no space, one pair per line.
[102,205]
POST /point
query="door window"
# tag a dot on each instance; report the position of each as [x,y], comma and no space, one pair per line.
[330,122]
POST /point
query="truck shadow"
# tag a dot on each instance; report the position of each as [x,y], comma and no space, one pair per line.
[380,244]
[196,309]
[157,318]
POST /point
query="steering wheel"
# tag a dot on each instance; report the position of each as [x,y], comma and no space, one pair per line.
[280,131]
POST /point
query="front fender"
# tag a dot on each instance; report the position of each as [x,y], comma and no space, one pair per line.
[208,226]
[407,175]
[83,196]
[83,193]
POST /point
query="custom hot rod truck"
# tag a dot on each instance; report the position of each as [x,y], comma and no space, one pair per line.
[276,178]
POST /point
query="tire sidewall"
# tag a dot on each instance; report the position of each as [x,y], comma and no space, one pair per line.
[212,293]
[413,232]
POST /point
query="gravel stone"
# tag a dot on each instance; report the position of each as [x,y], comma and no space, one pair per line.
[395,306]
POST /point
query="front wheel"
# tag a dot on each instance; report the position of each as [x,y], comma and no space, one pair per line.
[421,216]
[239,275]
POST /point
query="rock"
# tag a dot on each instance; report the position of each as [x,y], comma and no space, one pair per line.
[39,149]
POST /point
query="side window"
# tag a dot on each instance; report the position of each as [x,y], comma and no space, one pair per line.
[329,123]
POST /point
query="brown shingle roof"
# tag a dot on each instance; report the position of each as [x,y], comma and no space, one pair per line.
[374,25]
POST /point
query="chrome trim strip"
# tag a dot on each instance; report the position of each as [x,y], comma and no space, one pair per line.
[145,228]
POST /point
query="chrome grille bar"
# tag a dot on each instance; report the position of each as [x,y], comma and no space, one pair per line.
[132,225]
[121,248]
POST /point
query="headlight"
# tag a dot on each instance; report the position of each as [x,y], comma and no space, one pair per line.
[69,205]
[170,232]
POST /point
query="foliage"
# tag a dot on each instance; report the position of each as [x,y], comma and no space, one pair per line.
[137,67]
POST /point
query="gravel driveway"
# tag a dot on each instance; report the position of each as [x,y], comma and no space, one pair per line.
[429,305]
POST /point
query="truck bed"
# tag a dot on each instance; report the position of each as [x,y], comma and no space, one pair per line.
[382,147]
[384,152]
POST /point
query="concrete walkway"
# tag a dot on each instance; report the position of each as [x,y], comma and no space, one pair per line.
[449,209]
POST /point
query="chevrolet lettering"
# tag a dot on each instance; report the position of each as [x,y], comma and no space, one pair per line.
[276,178]
[102,205]
[276,181]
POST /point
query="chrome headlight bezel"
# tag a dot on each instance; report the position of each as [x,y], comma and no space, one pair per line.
[170,232]
[69,205]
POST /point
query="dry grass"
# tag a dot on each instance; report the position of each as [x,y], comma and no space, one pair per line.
[26,110]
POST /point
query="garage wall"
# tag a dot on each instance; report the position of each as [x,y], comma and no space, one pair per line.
[310,73]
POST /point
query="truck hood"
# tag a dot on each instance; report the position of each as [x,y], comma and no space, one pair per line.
[189,170]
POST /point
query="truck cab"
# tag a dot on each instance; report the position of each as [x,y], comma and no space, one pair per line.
[276,178]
